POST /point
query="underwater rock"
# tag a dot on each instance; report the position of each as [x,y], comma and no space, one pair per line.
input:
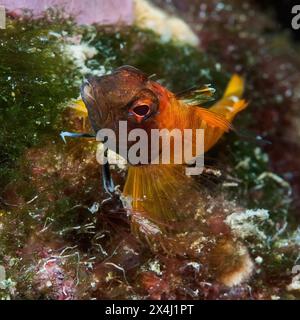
[169,27]
[243,223]
[54,190]
[233,263]
[51,280]
[2,277]
[295,284]
[85,12]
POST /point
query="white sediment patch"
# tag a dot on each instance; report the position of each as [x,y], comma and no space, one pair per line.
[80,54]
[2,277]
[259,260]
[78,51]
[154,266]
[169,27]
[245,224]
[292,240]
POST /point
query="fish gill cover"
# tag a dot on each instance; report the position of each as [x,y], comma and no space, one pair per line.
[60,235]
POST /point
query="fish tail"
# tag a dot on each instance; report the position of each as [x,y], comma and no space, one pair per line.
[231,103]
[235,87]
[218,119]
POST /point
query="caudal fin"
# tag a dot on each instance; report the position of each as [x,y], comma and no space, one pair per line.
[235,87]
[231,103]
[217,120]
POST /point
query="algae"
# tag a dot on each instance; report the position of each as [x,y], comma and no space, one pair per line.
[36,79]
[48,230]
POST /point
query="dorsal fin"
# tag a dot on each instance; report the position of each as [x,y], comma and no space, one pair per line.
[196,95]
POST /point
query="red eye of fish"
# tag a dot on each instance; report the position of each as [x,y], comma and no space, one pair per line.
[141,110]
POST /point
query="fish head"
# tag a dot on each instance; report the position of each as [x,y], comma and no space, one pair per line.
[123,95]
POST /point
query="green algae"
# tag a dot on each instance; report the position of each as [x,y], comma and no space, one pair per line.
[35,91]
[258,186]
[36,78]
[175,66]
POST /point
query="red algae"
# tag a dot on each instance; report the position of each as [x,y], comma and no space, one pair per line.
[65,238]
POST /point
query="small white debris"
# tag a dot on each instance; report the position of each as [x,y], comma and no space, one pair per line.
[260,155]
[194,265]
[215,172]
[230,184]
[295,284]
[275,178]
[81,53]
[259,260]
[127,249]
[220,6]
[154,266]
[245,224]
[218,66]
[2,277]
[244,164]
[294,239]
[94,208]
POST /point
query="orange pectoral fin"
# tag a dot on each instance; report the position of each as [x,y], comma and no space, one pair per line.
[213,119]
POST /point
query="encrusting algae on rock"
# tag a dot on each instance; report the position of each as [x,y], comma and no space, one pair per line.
[62,237]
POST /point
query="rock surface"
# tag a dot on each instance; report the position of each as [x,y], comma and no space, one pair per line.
[85,12]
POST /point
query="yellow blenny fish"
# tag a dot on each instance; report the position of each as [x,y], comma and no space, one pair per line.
[127,94]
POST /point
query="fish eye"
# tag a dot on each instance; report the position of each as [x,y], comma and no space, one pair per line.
[142,106]
[141,110]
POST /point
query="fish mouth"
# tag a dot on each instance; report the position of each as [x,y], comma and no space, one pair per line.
[94,105]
